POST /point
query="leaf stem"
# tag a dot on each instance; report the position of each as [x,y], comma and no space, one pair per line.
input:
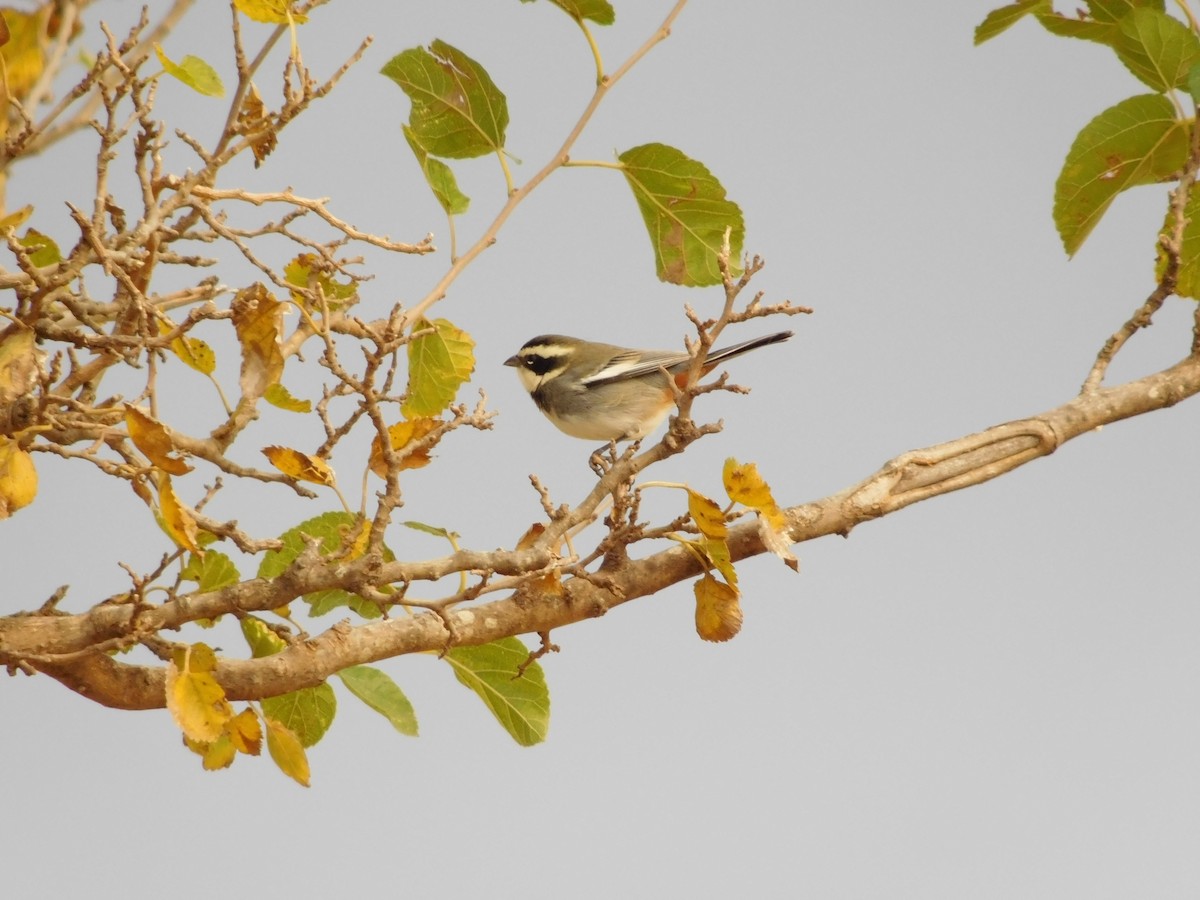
[587,33]
[558,160]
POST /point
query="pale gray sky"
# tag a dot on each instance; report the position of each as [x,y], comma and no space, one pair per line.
[995,694]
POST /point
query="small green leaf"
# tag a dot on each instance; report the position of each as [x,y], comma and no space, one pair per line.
[1115,10]
[305,272]
[376,689]
[1158,49]
[686,212]
[308,712]
[438,364]
[1099,24]
[1072,27]
[520,705]
[194,72]
[212,571]
[261,639]
[1138,141]
[42,249]
[1188,278]
[277,395]
[599,11]
[457,110]
[439,177]
[1193,83]
[431,529]
[335,531]
[999,20]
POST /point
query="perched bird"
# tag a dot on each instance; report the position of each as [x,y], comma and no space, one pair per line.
[608,393]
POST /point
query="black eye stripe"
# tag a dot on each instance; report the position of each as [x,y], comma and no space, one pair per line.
[540,364]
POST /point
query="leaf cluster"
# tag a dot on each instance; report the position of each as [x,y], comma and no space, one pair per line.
[394,380]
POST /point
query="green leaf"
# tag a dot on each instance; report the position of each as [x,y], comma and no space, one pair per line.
[1138,141]
[335,532]
[599,11]
[438,364]
[42,249]
[1158,49]
[304,272]
[1084,29]
[457,110]
[1188,278]
[1193,83]
[1005,17]
[376,689]
[308,712]
[194,72]
[261,639]
[520,705]
[277,395]
[1116,10]
[212,571]
[1100,22]
[431,529]
[686,213]
[439,177]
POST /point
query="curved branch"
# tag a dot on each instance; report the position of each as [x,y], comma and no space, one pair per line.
[60,646]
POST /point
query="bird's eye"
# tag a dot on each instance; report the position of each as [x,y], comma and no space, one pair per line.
[540,364]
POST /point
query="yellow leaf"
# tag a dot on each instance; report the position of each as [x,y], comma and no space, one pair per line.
[278,395]
[357,538]
[194,697]
[219,754]
[438,363]
[192,351]
[153,439]
[194,72]
[245,732]
[258,320]
[24,54]
[16,218]
[253,123]
[551,582]
[717,551]
[285,749]
[273,12]
[176,518]
[718,612]
[19,362]
[311,272]
[197,747]
[707,515]
[300,465]
[401,435]
[18,478]
[744,485]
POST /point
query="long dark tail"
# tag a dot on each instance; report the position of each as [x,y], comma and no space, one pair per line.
[733,350]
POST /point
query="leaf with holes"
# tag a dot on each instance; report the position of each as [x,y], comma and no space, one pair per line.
[1138,141]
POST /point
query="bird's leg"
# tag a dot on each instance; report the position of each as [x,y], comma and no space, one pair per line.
[599,462]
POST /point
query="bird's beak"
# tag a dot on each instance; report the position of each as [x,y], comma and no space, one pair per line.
[512,360]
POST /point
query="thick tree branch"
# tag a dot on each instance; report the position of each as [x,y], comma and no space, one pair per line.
[60,645]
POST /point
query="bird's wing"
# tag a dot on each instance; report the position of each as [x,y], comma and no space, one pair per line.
[635,363]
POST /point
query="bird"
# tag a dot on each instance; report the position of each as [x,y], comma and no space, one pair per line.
[602,392]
